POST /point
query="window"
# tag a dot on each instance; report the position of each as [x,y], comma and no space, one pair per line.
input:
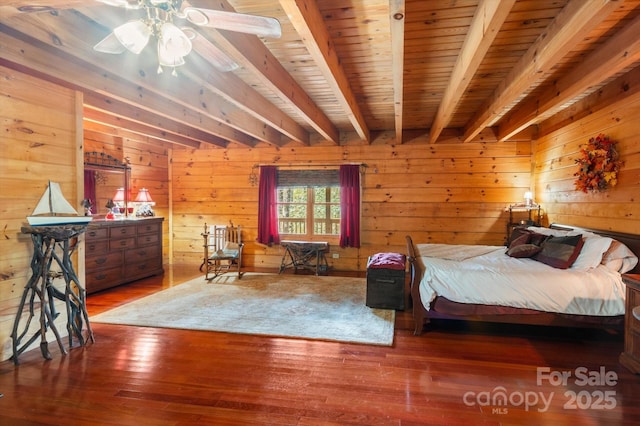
[314,199]
[308,204]
[309,212]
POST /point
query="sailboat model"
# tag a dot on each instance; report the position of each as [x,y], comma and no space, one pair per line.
[54,210]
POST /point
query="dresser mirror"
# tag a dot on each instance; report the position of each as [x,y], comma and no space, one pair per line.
[106,185]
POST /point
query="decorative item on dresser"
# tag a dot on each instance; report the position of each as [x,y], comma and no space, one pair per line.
[630,358]
[121,251]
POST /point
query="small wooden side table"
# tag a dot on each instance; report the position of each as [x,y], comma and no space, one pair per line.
[305,255]
[630,358]
[51,244]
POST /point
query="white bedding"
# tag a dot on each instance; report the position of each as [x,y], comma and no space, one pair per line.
[493,278]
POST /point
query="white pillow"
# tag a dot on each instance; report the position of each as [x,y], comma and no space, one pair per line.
[592,251]
[619,257]
[615,264]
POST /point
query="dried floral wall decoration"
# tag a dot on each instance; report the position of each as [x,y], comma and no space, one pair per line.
[599,165]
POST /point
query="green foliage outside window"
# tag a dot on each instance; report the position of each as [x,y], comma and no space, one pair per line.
[295,202]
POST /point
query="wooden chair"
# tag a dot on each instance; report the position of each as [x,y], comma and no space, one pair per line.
[222,250]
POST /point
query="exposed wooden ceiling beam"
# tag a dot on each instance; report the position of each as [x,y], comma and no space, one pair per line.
[568,28]
[614,56]
[249,52]
[10,8]
[154,122]
[56,65]
[99,122]
[307,20]
[196,90]
[236,91]
[396,17]
[232,123]
[163,132]
[489,17]
[624,88]
[230,88]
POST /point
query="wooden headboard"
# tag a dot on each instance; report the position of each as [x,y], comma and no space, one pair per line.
[630,240]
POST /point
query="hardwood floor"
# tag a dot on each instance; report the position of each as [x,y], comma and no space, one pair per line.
[449,375]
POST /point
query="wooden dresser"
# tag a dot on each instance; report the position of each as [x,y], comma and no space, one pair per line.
[121,251]
[630,358]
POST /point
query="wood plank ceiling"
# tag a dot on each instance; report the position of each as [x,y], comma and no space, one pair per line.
[440,71]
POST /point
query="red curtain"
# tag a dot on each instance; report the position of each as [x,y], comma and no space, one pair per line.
[267,206]
[350,206]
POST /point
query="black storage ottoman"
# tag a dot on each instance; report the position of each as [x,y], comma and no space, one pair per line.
[385,281]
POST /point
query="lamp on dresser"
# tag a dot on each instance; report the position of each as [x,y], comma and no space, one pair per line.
[119,201]
[144,201]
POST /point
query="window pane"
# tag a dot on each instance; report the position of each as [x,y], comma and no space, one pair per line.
[292,210]
[296,204]
[319,211]
[335,194]
[335,212]
[294,194]
[320,195]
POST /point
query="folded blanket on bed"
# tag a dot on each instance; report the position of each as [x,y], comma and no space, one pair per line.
[455,252]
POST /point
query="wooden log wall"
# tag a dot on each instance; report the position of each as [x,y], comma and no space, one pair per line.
[41,141]
[617,111]
[436,193]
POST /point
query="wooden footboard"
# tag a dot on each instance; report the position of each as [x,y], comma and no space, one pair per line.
[420,316]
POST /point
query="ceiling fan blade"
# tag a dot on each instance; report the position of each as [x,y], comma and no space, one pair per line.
[209,51]
[110,44]
[133,4]
[239,22]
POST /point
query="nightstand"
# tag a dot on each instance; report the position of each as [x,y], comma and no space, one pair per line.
[533,216]
[630,358]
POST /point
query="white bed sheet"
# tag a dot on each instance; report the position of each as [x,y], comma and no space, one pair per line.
[493,278]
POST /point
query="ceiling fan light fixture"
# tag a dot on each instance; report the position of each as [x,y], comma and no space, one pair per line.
[173,42]
[134,35]
[166,59]
[110,44]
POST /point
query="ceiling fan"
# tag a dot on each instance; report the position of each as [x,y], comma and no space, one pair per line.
[175,42]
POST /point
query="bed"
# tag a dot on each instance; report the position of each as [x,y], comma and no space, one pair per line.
[484,283]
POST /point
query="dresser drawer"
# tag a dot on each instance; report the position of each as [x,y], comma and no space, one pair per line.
[102,279]
[122,231]
[103,261]
[96,234]
[148,239]
[122,243]
[145,268]
[97,247]
[141,254]
[149,228]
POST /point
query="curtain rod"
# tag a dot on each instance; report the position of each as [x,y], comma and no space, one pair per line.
[316,165]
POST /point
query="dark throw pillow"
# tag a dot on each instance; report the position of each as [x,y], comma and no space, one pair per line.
[524,250]
[522,239]
[517,233]
[560,252]
[538,239]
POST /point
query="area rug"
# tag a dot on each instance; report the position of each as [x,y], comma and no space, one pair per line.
[301,306]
